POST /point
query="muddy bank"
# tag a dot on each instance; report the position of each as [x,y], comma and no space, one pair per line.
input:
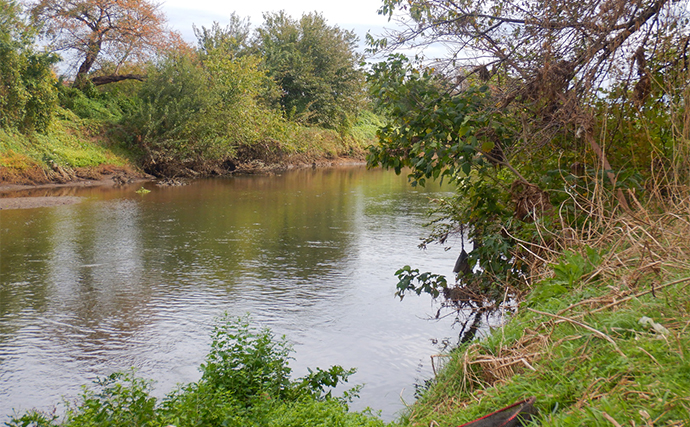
[36,202]
[24,192]
[39,177]
[109,175]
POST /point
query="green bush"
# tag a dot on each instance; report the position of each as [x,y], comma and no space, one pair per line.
[27,94]
[246,362]
[104,107]
[245,382]
[196,113]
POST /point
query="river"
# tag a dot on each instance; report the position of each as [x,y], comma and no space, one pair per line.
[125,280]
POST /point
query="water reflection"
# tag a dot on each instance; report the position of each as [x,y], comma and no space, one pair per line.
[125,280]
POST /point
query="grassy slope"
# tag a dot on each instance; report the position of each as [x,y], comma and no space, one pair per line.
[577,343]
[68,150]
[75,147]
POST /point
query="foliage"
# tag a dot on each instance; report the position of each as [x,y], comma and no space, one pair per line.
[233,40]
[100,107]
[431,284]
[97,30]
[535,106]
[315,66]
[439,133]
[245,381]
[196,112]
[27,94]
[246,363]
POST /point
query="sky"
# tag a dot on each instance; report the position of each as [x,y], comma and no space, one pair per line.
[357,15]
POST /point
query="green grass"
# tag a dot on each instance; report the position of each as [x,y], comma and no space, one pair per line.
[69,142]
[584,354]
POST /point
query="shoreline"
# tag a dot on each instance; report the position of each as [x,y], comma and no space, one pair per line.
[30,196]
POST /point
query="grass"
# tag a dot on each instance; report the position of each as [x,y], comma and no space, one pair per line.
[316,142]
[586,351]
[68,143]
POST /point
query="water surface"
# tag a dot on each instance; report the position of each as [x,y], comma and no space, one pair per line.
[127,280]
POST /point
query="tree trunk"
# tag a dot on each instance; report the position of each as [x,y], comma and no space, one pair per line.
[92,53]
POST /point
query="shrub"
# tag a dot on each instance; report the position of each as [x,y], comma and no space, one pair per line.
[27,94]
[246,381]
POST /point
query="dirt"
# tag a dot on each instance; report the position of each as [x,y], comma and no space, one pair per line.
[32,188]
[36,202]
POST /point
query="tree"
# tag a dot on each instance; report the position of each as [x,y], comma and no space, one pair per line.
[520,109]
[28,95]
[551,56]
[102,30]
[234,39]
[315,65]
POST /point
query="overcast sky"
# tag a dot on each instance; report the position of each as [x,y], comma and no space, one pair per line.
[357,15]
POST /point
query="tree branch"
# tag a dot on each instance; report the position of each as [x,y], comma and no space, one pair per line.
[102,80]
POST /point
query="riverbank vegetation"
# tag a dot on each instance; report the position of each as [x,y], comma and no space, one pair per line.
[565,127]
[600,339]
[290,91]
[245,382]
[563,124]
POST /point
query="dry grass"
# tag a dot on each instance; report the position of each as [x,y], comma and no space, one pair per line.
[645,257]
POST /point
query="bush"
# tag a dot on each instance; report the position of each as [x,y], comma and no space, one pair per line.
[245,382]
[195,113]
[27,94]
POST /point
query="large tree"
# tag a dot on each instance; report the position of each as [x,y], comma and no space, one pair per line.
[116,31]
[550,58]
[531,104]
[315,65]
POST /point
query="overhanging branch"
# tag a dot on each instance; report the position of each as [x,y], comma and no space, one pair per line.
[102,80]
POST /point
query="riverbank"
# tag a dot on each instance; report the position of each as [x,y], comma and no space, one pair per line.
[25,194]
[81,151]
[76,152]
[602,339]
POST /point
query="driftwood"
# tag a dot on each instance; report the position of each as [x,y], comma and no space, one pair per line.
[113,78]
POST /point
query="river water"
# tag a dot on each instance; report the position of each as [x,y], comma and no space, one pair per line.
[127,280]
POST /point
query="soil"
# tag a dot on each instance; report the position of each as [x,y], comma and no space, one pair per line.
[30,188]
[36,202]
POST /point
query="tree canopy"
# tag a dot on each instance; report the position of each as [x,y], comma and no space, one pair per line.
[315,65]
[95,31]
[27,93]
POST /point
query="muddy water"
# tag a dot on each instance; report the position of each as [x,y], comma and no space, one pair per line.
[125,280]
